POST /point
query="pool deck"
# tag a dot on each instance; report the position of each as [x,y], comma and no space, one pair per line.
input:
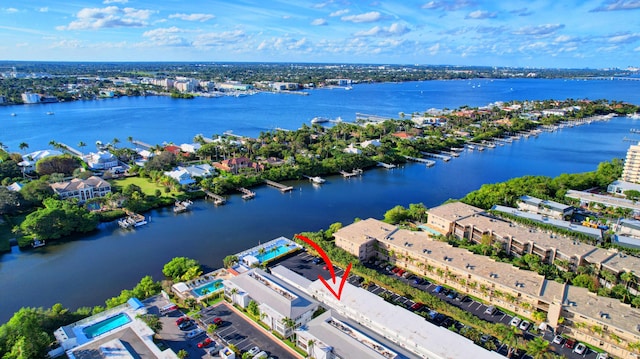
[186,289]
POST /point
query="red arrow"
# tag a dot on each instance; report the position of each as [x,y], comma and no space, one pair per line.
[329,265]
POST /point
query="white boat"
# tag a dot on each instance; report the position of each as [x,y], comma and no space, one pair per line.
[37,243]
[319,120]
[135,220]
[634,116]
[13,114]
[49,113]
[317,179]
[182,206]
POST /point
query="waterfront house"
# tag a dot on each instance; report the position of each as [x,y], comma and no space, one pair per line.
[190,147]
[173,149]
[82,190]
[181,175]
[374,143]
[283,308]
[234,165]
[544,207]
[352,150]
[103,160]
[28,163]
[201,170]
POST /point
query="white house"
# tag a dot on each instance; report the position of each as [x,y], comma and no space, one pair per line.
[544,207]
[190,147]
[374,143]
[351,149]
[201,170]
[103,160]
[83,190]
[28,163]
[15,186]
[277,300]
[181,175]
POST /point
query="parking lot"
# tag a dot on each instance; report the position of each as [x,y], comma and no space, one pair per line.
[310,267]
[239,331]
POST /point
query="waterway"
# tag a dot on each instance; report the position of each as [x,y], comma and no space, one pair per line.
[84,272]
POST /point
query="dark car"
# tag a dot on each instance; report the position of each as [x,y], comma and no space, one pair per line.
[438,289]
[452,294]
[186,325]
[217,321]
[570,343]
[417,306]
[417,281]
[316,260]
[181,320]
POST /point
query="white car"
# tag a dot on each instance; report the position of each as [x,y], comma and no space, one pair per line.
[194,333]
[580,349]
[254,351]
[524,325]
[558,339]
[602,356]
[515,321]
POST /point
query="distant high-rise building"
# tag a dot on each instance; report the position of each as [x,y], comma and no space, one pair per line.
[631,172]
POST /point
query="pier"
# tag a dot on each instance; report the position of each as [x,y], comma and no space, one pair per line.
[386,165]
[450,153]
[70,149]
[280,186]
[144,145]
[437,155]
[246,194]
[475,145]
[634,130]
[231,134]
[427,162]
[216,199]
[355,172]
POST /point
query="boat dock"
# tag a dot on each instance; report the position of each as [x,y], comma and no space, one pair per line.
[70,149]
[474,145]
[246,194]
[216,199]
[132,220]
[503,140]
[231,134]
[437,155]
[144,145]
[450,153]
[386,165]
[280,186]
[182,206]
[316,179]
[427,162]
[355,172]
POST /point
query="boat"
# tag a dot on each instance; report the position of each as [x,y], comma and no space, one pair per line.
[132,220]
[319,120]
[49,113]
[182,206]
[38,243]
[13,114]
[317,179]
[348,88]
[634,116]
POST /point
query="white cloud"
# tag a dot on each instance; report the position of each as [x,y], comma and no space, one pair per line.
[10,10]
[366,17]
[319,22]
[480,14]
[66,44]
[447,5]
[115,1]
[192,17]
[615,5]
[224,38]
[624,38]
[108,17]
[22,44]
[540,30]
[393,30]
[43,9]
[563,38]
[433,50]
[339,13]
[168,36]
[637,49]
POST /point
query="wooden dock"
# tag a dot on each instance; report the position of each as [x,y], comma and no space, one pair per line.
[427,162]
[216,199]
[386,165]
[355,172]
[246,194]
[280,186]
[450,153]
[144,145]
[437,155]
[71,150]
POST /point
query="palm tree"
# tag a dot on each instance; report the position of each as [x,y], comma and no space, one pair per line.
[310,345]
[538,348]
[289,324]
[628,278]
[115,141]
[81,145]
[23,146]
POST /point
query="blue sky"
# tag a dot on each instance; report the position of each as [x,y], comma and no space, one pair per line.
[566,33]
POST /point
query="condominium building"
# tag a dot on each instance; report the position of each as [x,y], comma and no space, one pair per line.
[631,172]
[603,322]
[283,308]
[443,217]
[82,190]
[544,207]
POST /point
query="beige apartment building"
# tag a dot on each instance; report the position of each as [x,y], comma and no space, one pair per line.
[603,322]
[631,171]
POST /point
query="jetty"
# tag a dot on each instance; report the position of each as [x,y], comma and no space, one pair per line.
[231,134]
[132,220]
[474,145]
[182,206]
[70,149]
[355,172]
[246,194]
[503,140]
[450,153]
[427,162]
[280,186]
[144,145]
[316,179]
[437,155]
[634,130]
[216,199]
[386,165]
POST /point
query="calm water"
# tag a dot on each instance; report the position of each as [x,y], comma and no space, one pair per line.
[89,270]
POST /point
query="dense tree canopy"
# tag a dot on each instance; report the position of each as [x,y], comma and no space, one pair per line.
[58,219]
[65,164]
[179,266]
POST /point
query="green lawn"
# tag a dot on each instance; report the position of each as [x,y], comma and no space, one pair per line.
[148,187]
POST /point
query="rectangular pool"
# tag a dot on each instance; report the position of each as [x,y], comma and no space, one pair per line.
[209,288]
[273,252]
[106,325]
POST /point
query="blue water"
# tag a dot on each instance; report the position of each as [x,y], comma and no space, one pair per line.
[106,325]
[209,288]
[208,233]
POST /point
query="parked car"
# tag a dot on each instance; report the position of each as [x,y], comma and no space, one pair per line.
[524,325]
[602,356]
[490,310]
[205,343]
[261,355]
[417,306]
[417,281]
[452,294]
[217,321]
[438,289]
[388,268]
[558,339]
[186,325]
[317,260]
[395,270]
[181,320]
[194,333]
[515,321]
[580,349]
[400,272]
[463,299]
[254,351]
[407,275]
[570,343]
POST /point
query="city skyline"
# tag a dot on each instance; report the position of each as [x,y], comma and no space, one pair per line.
[542,34]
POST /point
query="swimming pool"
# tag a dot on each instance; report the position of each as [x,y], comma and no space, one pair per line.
[430,230]
[273,252]
[106,325]
[209,288]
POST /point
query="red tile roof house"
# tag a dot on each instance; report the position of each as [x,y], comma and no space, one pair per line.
[234,165]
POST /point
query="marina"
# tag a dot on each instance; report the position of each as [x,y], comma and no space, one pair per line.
[217,199]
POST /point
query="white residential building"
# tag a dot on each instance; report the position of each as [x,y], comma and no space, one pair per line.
[544,207]
[28,163]
[103,160]
[276,299]
[190,147]
[201,170]
[181,175]
[83,190]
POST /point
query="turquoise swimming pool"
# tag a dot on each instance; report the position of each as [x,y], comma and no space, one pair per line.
[209,288]
[273,252]
[427,229]
[106,325]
